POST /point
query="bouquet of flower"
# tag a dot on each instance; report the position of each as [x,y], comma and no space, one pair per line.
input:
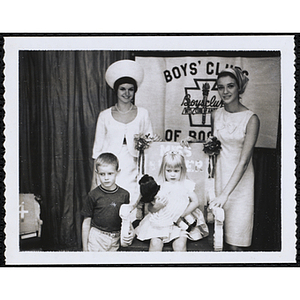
[212,147]
[142,142]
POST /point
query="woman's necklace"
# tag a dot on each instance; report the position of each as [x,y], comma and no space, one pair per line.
[124,112]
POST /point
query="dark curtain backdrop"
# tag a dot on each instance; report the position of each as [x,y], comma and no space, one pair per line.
[61,95]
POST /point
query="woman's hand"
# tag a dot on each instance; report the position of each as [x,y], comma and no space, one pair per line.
[185,142]
[218,201]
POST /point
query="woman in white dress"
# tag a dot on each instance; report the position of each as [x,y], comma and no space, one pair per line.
[237,128]
[117,125]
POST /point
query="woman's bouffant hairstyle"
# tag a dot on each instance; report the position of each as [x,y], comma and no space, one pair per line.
[123,80]
[107,159]
[172,159]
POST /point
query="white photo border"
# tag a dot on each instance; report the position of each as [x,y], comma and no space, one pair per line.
[283,43]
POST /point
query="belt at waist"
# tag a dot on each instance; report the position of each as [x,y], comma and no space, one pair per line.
[111,234]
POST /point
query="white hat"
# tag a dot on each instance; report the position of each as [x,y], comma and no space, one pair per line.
[124,68]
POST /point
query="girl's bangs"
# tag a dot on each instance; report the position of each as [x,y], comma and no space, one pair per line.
[174,162]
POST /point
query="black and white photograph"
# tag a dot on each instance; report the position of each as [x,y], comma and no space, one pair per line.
[150,150]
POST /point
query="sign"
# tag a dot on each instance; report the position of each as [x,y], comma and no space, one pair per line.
[180,93]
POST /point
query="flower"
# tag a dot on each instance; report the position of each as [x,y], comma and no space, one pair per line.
[212,146]
[143,141]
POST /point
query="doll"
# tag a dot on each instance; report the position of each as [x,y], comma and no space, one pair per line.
[149,190]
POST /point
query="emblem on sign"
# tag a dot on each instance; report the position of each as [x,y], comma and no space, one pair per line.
[196,108]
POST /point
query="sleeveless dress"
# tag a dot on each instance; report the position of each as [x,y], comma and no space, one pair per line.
[161,223]
[230,129]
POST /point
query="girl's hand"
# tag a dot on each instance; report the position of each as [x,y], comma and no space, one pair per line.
[158,205]
[218,201]
[178,221]
[185,142]
[161,200]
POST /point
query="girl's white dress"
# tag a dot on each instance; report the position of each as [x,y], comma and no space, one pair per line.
[109,137]
[161,223]
[230,129]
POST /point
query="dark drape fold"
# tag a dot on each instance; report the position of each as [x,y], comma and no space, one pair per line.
[61,95]
[267,205]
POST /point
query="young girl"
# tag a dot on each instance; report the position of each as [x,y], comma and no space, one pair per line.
[175,200]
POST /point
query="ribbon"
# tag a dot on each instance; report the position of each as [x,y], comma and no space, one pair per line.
[212,165]
[141,162]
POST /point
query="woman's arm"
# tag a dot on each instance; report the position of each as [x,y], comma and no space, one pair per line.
[99,136]
[86,226]
[249,143]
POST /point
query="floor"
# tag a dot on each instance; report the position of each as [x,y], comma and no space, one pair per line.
[205,244]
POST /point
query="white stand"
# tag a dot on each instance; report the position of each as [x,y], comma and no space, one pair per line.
[218,228]
[127,213]
[215,215]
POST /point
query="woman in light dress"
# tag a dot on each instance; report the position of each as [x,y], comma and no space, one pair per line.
[237,128]
[117,125]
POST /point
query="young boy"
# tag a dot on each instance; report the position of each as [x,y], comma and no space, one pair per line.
[101,225]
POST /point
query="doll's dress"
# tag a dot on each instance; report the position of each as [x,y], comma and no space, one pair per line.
[161,223]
